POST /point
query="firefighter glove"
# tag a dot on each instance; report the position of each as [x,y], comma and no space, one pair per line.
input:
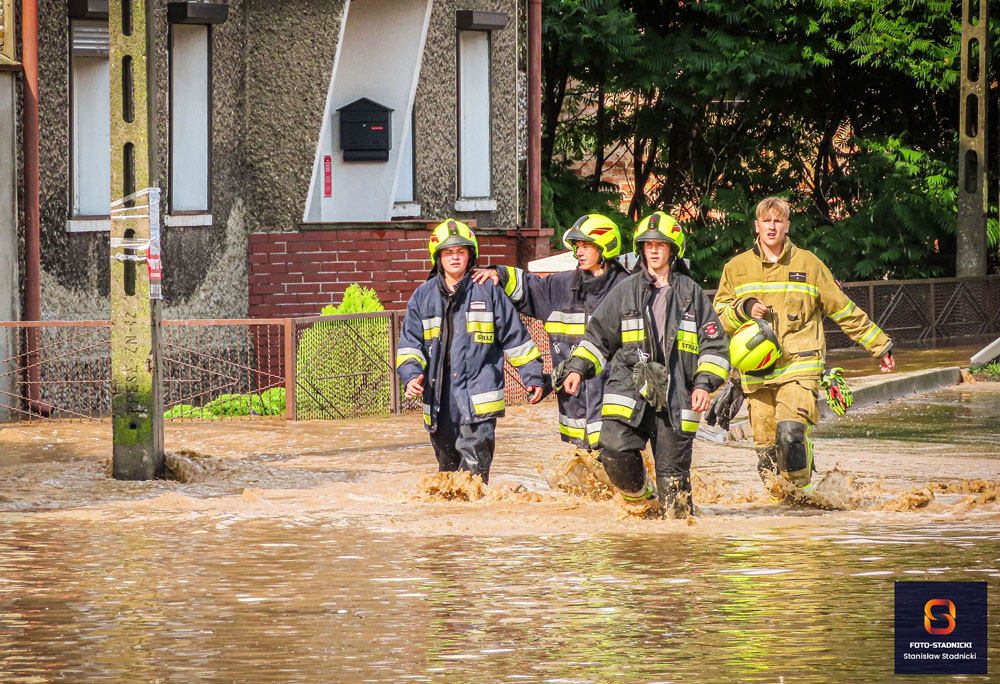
[838,395]
[652,380]
[726,405]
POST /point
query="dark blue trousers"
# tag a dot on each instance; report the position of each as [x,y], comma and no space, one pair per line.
[463,447]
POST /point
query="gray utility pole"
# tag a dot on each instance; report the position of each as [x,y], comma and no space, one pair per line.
[136,398]
[972,134]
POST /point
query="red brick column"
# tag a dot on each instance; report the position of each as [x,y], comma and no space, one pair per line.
[532,244]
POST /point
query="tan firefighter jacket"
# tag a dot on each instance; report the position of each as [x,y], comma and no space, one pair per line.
[800,290]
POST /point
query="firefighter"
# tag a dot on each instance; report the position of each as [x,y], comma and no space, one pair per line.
[665,352]
[451,349]
[791,290]
[565,301]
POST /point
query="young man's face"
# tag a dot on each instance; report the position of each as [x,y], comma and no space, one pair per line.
[454,261]
[587,254]
[657,254]
[772,230]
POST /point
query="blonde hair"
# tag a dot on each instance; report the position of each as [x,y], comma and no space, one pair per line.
[773,206]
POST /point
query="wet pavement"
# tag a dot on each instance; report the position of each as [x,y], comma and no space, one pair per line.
[952,422]
[311,552]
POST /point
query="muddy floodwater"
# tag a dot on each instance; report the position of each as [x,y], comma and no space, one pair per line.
[321,552]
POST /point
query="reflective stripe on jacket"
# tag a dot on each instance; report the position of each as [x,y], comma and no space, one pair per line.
[800,290]
[565,301]
[620,334]
[484,327]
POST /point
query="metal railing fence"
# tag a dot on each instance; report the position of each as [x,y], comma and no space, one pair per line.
[344,366]
[54,368]
[924,311]
[319,367]
[224,368]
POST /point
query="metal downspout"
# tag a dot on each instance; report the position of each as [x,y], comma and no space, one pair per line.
[32,233]
[534,218]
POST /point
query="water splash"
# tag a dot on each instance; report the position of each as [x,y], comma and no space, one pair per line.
[456,486]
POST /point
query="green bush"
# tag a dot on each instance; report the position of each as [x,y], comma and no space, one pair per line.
[270,402]
[357,299]
[341,366]
[187,411]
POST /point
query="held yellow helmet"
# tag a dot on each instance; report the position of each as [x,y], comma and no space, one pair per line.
[598,229]
[661,226]
[452,233]
[754,347]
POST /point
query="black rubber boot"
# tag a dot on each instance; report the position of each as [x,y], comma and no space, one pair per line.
[767,463]
[675,498]
[626,471]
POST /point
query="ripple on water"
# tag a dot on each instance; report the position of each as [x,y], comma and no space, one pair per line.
[266,600]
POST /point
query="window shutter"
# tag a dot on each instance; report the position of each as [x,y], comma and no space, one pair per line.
[89,38]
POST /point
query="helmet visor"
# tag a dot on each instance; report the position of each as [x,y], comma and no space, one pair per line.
[576,235]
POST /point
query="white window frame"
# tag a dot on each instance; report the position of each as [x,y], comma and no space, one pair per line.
[475,153]
[190,123]
[90,126]
[406,181]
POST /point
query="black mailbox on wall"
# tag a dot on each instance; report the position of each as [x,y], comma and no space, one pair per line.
[365,131]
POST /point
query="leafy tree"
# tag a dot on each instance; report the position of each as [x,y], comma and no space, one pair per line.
[846,107]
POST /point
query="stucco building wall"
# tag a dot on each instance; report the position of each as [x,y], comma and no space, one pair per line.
[272,62]
[436,125]
[291,45]
[205,266]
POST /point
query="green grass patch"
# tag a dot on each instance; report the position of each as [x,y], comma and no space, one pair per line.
[989,372]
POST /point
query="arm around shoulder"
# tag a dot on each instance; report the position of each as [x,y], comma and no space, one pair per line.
[528,292]
[516,343]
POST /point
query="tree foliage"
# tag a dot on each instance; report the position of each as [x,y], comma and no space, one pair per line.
[848,108]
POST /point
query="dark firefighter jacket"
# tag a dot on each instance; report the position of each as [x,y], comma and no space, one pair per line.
[621,332]
[482,326]
[565,301]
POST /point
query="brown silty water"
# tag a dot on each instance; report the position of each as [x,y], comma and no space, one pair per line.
[332,552]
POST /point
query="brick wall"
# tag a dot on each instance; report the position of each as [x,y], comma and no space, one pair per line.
[297,274]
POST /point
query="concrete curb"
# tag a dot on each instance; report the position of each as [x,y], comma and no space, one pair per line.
[985,355]
[896,387]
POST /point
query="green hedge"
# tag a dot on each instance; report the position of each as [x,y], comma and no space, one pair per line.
[356,350]
[268,403]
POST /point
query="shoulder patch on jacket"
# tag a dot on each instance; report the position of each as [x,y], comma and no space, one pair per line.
[477,306]
[797,276]
[711,330]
